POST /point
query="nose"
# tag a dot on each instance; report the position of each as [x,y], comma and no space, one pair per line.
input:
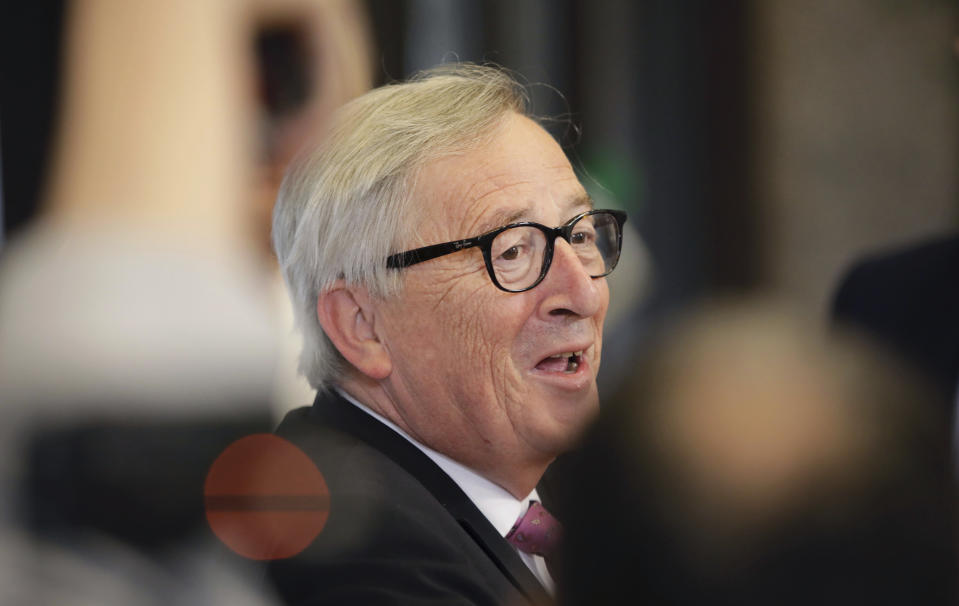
[568,289]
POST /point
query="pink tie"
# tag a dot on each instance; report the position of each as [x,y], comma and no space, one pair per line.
[538,533]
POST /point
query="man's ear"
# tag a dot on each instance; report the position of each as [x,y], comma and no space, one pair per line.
[348,318]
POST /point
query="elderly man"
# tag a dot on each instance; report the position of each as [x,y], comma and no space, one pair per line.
[447,270]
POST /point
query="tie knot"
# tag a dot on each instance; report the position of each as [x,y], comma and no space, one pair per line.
[536,532]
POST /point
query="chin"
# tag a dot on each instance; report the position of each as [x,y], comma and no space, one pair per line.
[570,419]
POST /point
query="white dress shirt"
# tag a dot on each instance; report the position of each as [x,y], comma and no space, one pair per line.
[500,507]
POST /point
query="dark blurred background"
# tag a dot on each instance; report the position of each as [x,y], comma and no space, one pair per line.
[755,144]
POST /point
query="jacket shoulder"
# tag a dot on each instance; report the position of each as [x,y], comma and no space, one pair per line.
[387,540]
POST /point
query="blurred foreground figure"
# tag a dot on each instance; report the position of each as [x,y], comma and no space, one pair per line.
[135,338]
[753,461]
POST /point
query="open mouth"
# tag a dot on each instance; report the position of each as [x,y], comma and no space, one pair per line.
[566,362]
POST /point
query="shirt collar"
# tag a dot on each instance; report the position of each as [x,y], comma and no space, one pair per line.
[500,507]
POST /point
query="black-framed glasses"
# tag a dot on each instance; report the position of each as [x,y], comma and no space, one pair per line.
[518,255]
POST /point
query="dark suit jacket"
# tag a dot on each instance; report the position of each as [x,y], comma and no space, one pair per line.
[400,531]
[908,299]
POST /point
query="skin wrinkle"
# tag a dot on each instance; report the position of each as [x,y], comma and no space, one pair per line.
[471,329]
[477,289]
[457,273]
[463,352]
[488,220]
[492,219]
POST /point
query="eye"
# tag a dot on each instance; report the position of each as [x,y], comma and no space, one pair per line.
[512,245]
[511,254]
[582,236]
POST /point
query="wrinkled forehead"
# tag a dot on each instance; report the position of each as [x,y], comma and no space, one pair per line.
[519,174]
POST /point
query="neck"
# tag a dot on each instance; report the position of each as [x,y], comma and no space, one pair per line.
[517,475]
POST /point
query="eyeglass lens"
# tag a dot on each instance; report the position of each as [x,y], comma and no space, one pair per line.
[518,254]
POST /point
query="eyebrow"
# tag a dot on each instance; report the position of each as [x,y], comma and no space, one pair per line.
[508,216]
[583,199]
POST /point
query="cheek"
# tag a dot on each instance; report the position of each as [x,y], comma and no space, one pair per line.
[463,328]
[603,287]
[443,325]
[491,322]
[488,329]
[600,318]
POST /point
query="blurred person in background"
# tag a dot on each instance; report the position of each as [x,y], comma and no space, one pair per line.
[448,270]
[907,300]
[752,459]
[136,339]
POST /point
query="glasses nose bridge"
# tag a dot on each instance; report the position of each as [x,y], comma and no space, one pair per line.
[563,231]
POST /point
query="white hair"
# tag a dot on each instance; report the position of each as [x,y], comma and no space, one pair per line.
[345,205]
